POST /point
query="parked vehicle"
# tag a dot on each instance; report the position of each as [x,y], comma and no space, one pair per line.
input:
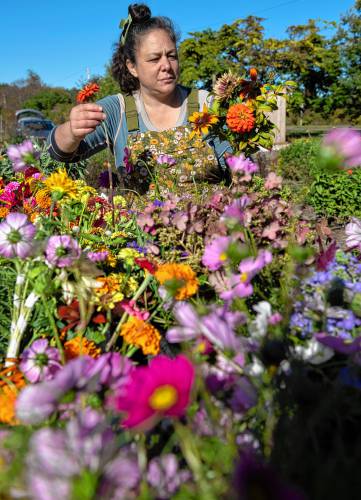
[32,124]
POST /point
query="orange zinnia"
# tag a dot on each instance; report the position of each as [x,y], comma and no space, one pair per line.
[87,92]
[240,118]
[141,334]
[180,278]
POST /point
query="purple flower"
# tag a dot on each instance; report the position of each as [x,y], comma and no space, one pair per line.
[98,256]
[22,155]
[166,159]
[126,160]
[112,369]
[338,344]
[164,475]
[215,253]
[62,251]
[353,232]
[344,143]
[236,209]
[103,179]
[244,396]
[16,236]
[241,164]
[40,362]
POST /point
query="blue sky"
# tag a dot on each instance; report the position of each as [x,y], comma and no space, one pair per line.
[64,40]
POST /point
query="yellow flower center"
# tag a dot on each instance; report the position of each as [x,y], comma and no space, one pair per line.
[243,278]
[163,398]
[223,256]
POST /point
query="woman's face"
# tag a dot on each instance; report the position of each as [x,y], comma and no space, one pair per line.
[156,65]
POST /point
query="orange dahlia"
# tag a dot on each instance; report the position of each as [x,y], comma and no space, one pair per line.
[240,118]
[87,92]
[11,381]
[141,334]
[179,278]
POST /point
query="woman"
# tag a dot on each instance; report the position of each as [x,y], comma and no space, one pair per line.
[151,121]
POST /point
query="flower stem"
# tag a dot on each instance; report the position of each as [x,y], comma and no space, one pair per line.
[54,328]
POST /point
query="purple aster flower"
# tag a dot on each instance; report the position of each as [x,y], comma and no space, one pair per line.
[62,251]
[98,256]
[166,159]
[164,475]
[215,253]
[241,164]
[16,236]
[344,143]
[22,155]
[40,361]
[353,232]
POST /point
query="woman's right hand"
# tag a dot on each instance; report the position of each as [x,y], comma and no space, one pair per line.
[84,118]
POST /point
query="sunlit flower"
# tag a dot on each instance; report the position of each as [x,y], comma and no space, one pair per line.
[240,118]
[86,93]
[225,86]
[40,361]
[16,236]
[60,184]
[11,381]
[141,334]
[161,389]
[43,199]
[62,250]
[345,145]
[81,346]
[22,155]
[179,279]
[241,164]
[202,121]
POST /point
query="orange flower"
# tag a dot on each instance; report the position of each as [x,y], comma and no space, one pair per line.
[43,199]
[87,92]
[253,74]
[80,346]
[202,121]
[141,334]
[11,380]
[4,211]
[349,171]
[240,118]
[180,278]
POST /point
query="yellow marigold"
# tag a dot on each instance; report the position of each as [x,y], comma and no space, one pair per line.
[141,334]
[128,255]
[80,346]
[59,182]
[11,381]
[4,211]
[202,121]
[179,277]
[43,199]
[111,290]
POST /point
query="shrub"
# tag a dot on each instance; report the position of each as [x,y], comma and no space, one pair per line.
[298,161]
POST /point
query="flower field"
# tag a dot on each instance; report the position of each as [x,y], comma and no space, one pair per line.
[189,348]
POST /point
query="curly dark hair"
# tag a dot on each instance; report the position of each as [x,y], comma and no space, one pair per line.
[142,23]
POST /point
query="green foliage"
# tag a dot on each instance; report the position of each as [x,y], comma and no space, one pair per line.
[7,284]
[337,195]
[298,161]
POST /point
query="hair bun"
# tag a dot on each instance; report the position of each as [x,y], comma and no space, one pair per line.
[139,12]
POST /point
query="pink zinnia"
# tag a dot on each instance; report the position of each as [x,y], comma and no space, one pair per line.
[162,388]
[215,253]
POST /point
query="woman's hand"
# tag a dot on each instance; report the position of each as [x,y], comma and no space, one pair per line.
[84,118]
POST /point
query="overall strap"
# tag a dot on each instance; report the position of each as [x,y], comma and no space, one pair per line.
[193,102]
[131,113]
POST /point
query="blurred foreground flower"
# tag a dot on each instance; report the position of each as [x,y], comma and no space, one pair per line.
[341,148]
[162,388]
[16,236]
[22,155]
[353,232]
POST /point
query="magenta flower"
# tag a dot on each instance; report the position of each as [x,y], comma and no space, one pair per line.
[166,159]
[215,253]
[236,209]
[40,361]
[344,143]
[353,232]
[126,160]
[98,256]
[162,388]
[16,236]
[239,285]
[62,251]
[241,164]
[22,155]
[10,195]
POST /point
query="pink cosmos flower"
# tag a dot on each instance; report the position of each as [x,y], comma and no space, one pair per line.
[241,164]
[239,285]
[353,232]
[346,143]
[236,209]
[166,159]
[40,361]
[16,236]
[22,155]
[62,251]
[215,253]
[162,388]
